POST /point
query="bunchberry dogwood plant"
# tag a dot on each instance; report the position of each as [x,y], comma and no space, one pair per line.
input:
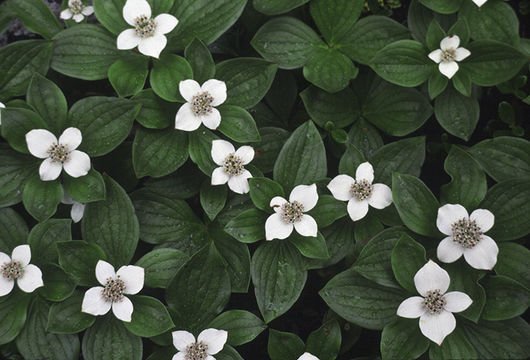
[231,163]
[2,106]
[479,3]
[448,55]
[77,11]
[77,210]
[208,343]
[16,268]
[307,356]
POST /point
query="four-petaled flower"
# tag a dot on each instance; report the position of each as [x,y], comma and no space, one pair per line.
[148,32]
[434,307]
[231,165]
[99,300]
[307,356]
[290,214]
[78,209]
[200,104]
[465,236]
[2,106]
[447,56]
[76,10]
[479,3]
[17,267]
[360,192]
[58,154]
[208,343]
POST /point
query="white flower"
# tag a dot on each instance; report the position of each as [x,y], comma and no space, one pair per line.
[2,106]
[199,107]
[17,267]
[231,167]
[78,209]
[290,214]
[466,236]
[307,356]
[434,307]
[58,154]
[76,10]
[148,32]
[99,299]
[360,192]
[479,3]
[448,55]
[208,343]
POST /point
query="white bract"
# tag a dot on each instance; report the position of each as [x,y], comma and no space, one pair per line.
[360,192]
[479,3]
[76,10]
[58,154]
[148,32]
[434,307]
[208,343]
[447,56]
[290,214]
[307,356]
[17,267]
[78,209]
[2,106]
[200,104]
[99,300]
[466,236]
[231,165]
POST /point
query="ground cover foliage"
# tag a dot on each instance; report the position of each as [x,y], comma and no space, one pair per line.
[264,179]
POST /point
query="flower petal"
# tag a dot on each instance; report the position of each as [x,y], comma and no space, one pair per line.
[357,209]
[165,23]
[211,120]
[219,176]
[276,228]
[77,212]
[436,55]
[22,254]
[307,226]
[181,339]
[461,54]
[66,14]
[365,171]
[5,285]
[411,308]
[186,119]
[31,279]
[188,89]
[276,203]
[431,277]
[437,327]
[50,170]
[448,250]
[217,89]
[133,277]
[78,18]
[220,150]
[239,183]
[448,215]
[93,302]
[135,8]
[39,142]
[104,271]
[4,258]
[484,219]
[214,339]
[450,42]
[246,153]
[71,137]
[340,187]
[381,196]
[479,3]
[306,195]
[78,164]
[153,45]
[482,256]
[123,309]
[127,40]
[87,10]
[307,356]
[457,301]
[181,355]
[448,68]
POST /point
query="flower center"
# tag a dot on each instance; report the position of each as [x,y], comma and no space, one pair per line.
[201,104]
[58,153]
[292,212]
[12,270]
[362,190]
[434,302]
[144,26]
[233,165]
[76,6]
[448,55]
[113,291]
[196,351]
[466,232]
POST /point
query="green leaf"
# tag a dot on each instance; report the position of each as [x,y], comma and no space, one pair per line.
[267,150]
[339,241]
[48,101]
[302,159]
[435,34]
[109,14]
[402,339]
[104,122]
[418,20]
[456,113]
[286,41]
[205,279]
[365,137]
[66,317]
[149,318]
[127,75]
[262,190]
[407,258]
[58,286]
[404,62]
[313,247]
[460,28]
[242,326]
[108,331]
[509,201]
[85,189]
[78,259]
[36,17]
[167,73]
[465,279]
[437,84]
[350,160]
[237,257]
[16,123]
[335,18]
[213,199]
[155,112]
[43,237]
[330,70]
[443,7]
[200,60]
[513,261]
[200,149]
[247,80]
[238,124]
[247,227]
[367,228]
[415,203]
[505,298]
[13,309]
[328,210]
[503,157]
[462,83]
[325,341]
[360,301]
[13,230]
[41,198]
[278,277]
[112,224]
[284,345]
[161,265]
[84,52]
[228,353]
[15,170]
[454,346]
[275,7]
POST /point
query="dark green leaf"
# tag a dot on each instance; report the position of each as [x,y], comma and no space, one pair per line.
[242,326]
[341,108]
[434,35]
[505,298]
[48,101]
[437,84]
[66,317]
[127,75]
[513,261]
[58,286]
[402,339]
[365,137]
[161,265]
[79,259]
[443,7]
[200,149]
[309,246]
[262,190]
[41,198]
[330,70]
[237,257]
[248,227]
[36,17]
[15,170]
[407,258]
[275,7]
[16,123]
[267,150]
[149,318]
[85,189]
[167,73]
[454,346]
[43,237]
[465,279]
[200,60]
[109,14]
[284,345]
[155,112]
[456,113]
[350,160]
[13,309]
[335,18]
[325,341]
[238,124]
[13,230]
[213,199]
[328,210]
